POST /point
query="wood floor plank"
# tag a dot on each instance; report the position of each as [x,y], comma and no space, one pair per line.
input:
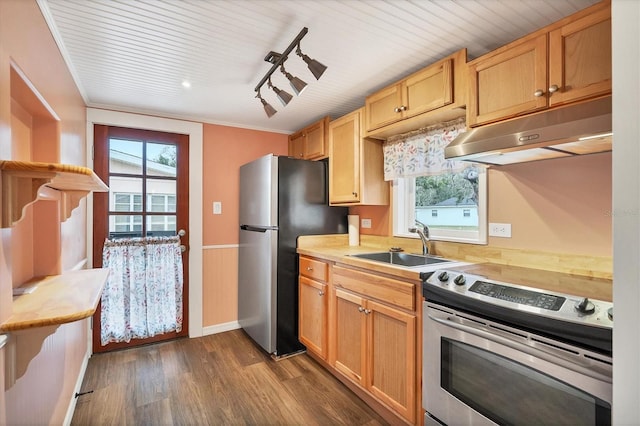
[214,380]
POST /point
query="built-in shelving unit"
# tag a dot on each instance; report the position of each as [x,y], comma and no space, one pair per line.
[22,183]
[57,299]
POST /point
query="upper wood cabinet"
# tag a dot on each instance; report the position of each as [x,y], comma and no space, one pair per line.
[562,63]
[580,58]
[355,164]
[418,100]
[310,143]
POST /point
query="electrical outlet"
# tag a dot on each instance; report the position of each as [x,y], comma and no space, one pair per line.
[365,223]
[217,207]
[500,230]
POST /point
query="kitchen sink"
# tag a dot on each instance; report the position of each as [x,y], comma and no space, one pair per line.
[401,259]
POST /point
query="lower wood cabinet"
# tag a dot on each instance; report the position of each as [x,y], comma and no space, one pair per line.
[375,343]
[312,311]
[312,305]
[364,326]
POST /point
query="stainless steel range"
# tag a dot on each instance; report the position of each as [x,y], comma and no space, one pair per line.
[500,352]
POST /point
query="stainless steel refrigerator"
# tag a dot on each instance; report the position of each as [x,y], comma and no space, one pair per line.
[280,199]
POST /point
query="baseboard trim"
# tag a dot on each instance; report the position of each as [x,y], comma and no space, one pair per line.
[220,328]
[72,405]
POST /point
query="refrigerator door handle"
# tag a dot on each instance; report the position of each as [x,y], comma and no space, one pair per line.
[258,228]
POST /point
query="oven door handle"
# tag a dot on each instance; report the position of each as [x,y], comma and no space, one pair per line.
[538,352]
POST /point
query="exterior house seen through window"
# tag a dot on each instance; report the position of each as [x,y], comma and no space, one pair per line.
[452,204]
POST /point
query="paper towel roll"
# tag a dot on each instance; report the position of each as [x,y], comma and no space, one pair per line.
[354,229]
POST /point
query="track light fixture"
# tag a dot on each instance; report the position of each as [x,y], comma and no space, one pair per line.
[284,96]
[316,68]
[297,85]
[267,107]
[278,60]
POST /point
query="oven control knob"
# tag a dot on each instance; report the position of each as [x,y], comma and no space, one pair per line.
[585,306]
[460,280]
[443,276]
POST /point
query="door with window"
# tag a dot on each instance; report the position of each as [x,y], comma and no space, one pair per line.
[147,173]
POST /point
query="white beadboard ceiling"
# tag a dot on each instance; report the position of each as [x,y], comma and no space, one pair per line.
[133,55]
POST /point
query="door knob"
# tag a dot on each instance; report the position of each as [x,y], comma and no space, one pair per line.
[553,88]
[538,93]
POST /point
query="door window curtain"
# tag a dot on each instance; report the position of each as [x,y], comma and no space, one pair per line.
[143,294]
[421,152]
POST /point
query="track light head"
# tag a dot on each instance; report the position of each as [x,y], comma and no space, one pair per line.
[316,68]
[297,84]
[268,109]
[284,96]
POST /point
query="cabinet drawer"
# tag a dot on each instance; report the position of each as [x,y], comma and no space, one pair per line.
[392,291]
[315,269]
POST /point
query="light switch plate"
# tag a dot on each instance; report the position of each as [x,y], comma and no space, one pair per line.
[217,207]
[500,230]
[365,223]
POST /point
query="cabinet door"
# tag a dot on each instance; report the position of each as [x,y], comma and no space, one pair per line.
[429,89]
[350,323]
[315,147]
[509,83]
[383,107]
[344,154]
[313,315]
[580,59]
[392,358]
[296,145]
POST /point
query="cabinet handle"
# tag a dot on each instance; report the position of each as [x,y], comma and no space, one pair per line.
[320,293]
[396,109]
[309,268]
[360,309]
[403,108]
[554,88]
[367,311]
[355,194]
[538,93]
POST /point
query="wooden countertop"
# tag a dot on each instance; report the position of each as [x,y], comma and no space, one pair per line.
[57,299]
[335,248]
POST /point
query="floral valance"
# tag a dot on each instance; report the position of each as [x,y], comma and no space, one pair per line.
[421,152]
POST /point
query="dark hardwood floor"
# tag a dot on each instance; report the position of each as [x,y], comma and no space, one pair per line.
[214,380]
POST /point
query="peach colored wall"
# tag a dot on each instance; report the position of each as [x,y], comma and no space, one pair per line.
[225,150]
[560,206]
[380,219]
[26,41]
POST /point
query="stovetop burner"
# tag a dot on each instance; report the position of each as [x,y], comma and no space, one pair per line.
[577,320]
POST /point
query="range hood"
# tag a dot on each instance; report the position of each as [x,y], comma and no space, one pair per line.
[583,128]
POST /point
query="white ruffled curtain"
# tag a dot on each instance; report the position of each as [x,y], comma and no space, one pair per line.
[421,152]
[143,294]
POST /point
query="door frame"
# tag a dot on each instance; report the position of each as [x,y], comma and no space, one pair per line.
[195,132]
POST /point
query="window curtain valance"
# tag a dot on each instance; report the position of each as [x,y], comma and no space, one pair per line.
[421,152]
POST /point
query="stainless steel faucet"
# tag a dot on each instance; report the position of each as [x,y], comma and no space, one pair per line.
[424,236]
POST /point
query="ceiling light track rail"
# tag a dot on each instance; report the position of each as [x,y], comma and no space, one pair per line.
[278,60]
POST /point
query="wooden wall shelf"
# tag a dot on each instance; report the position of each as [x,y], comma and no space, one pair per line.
[22,182]
[57,299]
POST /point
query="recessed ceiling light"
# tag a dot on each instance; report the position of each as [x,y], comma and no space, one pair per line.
[186,84]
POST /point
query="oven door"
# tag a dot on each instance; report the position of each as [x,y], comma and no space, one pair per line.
[482,373]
